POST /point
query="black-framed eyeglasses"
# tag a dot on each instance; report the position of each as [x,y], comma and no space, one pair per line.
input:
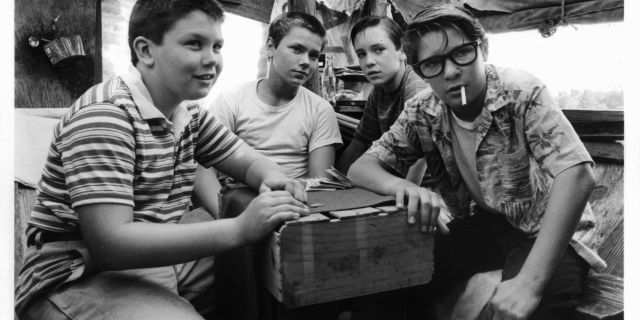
[462,55]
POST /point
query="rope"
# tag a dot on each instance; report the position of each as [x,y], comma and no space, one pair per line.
[548,27]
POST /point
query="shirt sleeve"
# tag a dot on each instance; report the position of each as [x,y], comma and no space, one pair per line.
[398,148]
[97,147]
[368,129]
[554,143]
[325,131]
[215,141]
[223,110]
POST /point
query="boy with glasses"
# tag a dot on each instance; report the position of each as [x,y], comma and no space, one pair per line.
[507,163]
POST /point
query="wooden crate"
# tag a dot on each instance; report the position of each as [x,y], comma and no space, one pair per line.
[322,258]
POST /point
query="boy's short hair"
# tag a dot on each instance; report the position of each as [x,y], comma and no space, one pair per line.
[282,24]
[394,31]
[153,18]
[438,18]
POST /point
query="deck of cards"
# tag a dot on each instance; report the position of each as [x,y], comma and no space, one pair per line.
[337,182]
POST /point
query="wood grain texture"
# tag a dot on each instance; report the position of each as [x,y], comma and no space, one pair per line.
[259,10]
[39,84]
[602,299]
[597,125]
[612,152]
[24,199]
[607,201]
[327,261]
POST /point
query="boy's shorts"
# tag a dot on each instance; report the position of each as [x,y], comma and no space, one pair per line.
[183,291]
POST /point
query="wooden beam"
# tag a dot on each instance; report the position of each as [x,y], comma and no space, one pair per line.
[259,10]
[597,125]
[612,152]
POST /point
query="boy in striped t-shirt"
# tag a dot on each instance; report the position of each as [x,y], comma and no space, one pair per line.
[103,237]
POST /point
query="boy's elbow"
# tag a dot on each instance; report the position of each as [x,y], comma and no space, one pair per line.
[583,177]
[354,171]
[587,177]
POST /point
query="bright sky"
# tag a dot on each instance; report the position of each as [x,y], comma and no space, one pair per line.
[584,57]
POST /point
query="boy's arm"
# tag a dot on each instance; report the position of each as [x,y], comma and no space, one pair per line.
[115,242]
[423,206]
[259,173]
[350,154]
[206,189]
[517,298]
[321,159]
[556,146]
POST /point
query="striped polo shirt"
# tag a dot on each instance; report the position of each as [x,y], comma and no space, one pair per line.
[114,146]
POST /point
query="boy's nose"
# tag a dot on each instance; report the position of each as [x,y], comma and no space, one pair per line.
[451,70]
[304,60]
[369,61]
[211,57]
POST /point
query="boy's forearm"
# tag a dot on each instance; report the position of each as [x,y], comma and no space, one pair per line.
[206,189]
[259,170]
[569,195]
[115,242]
[367,173]
[350,154]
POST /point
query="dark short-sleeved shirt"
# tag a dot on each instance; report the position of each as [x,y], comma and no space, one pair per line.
[383,108]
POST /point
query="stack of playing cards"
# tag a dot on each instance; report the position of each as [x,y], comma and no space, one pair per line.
[339,181]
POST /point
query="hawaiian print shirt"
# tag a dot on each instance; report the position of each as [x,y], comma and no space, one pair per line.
[523,141]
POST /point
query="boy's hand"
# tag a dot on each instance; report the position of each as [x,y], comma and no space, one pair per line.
[423,207]
[512,300]
[267,211]
[295,187]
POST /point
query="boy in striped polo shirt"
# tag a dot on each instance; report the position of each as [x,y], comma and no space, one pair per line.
[104,242]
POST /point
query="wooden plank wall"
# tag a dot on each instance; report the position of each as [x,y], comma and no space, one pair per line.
[38,84]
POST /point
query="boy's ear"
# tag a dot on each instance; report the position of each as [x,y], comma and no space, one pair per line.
[270,48]
[142,48]
[485,49]
[403,56]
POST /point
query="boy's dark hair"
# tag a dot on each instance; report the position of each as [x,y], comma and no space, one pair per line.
[394,31]
[153,18]
[438,18]
[283,23]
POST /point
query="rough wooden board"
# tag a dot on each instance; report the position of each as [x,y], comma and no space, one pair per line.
[312,218]
[341,259]
[607,201]
[259,10]
[606,151]
[603,298]
[597,124]
[24,199]
[39,84]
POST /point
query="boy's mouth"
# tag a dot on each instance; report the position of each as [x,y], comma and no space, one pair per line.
[205,77]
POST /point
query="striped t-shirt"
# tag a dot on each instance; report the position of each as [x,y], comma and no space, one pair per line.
[114,146]
[383,108]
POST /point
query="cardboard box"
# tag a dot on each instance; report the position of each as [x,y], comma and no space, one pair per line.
[344,254]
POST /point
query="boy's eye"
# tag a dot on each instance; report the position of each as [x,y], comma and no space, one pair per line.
[360,55]
[193,43]
[314,56]
[296,50]
[217,46]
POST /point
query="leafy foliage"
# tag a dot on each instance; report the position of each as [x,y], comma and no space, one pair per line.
[591,99]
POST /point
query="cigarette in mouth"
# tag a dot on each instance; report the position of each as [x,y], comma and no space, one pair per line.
[463,95]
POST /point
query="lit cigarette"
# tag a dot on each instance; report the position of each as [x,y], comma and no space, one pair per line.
[463,95]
